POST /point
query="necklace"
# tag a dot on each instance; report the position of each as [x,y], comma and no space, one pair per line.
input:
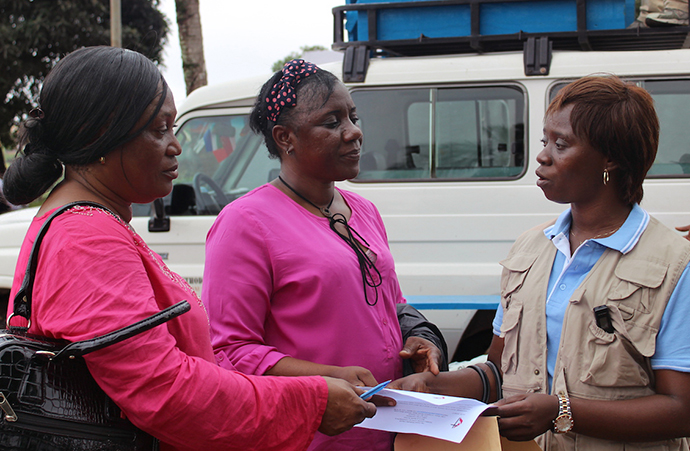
[371,277]
[326,211]
[601,235]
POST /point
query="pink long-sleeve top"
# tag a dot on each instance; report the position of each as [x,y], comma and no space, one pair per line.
[279,282]
[95,275]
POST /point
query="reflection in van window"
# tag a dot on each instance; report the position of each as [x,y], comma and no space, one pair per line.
[206,142]
[441,133]
[671,100]
[217,161]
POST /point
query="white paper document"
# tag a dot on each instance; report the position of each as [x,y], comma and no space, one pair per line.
[439,416]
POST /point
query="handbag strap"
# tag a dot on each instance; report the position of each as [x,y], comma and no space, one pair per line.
[80,348]
[22,300]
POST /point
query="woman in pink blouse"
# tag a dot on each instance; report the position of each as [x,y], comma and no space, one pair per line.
[299,279]
[106,116]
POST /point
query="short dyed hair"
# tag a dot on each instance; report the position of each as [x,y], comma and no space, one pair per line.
[618,119]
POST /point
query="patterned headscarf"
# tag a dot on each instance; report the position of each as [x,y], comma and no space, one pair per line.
[283,92]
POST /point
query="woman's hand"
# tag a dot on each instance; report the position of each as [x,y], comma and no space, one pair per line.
[289,366]
[526,416]
[344,409]
[684,229]
[418,382]
[423,355]
[356,375]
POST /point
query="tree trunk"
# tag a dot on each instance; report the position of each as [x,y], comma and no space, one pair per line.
[191,44]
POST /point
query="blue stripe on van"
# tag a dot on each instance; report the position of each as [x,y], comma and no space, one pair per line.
[490,302]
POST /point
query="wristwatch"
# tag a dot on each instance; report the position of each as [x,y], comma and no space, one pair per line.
[564,421]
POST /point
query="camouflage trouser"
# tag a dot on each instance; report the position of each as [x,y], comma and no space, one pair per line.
[657,6]
[649,6]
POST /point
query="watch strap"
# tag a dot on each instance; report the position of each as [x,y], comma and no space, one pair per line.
[564,421]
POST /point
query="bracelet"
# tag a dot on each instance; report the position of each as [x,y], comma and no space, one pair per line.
[485,383]
[499,379]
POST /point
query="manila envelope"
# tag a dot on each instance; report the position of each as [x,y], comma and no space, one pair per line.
[483,436]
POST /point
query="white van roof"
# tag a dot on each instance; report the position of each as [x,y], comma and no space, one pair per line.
[460,68]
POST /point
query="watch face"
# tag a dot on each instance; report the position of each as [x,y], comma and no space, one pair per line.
[563,423]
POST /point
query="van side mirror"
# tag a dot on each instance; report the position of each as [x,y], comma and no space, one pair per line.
[159,222]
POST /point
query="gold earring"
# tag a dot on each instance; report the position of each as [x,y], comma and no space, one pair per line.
[606,177]
[102,160]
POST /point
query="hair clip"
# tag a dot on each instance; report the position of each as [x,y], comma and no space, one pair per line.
[37,113]
[283,92]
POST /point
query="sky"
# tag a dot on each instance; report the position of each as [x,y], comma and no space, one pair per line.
[244,38]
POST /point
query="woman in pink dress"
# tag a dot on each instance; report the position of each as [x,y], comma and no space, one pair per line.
[299,279]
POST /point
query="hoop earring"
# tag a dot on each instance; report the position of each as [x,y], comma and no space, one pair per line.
[102,160]
[606,177]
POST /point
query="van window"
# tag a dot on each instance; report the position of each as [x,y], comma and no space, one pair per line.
[671,100]
[470,133]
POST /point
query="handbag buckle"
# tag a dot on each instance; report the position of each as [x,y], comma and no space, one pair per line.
[7,408]
[9,318]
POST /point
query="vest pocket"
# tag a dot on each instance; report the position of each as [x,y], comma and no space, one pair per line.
[615,361]
[517,266]
[511,334]
[632,292]
[631,303]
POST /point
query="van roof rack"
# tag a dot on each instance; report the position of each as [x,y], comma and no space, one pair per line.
[383,29]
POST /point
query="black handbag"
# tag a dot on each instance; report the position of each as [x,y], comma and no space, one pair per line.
[48,399]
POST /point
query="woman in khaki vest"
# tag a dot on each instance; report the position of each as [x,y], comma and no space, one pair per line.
[590,348]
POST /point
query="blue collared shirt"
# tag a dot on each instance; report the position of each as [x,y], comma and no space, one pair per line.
[568,272]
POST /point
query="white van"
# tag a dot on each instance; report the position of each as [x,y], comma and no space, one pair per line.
[448,157]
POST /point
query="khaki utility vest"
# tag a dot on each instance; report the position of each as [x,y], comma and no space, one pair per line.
[591,363]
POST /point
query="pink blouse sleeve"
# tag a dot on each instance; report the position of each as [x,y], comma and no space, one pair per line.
[96,283]
[237,292]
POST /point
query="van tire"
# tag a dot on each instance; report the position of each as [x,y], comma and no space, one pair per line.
[477,337]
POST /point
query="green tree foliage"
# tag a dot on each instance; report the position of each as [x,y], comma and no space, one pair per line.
[35,34]
[278,65]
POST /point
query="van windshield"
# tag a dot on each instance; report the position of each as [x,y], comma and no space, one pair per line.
[218,163]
